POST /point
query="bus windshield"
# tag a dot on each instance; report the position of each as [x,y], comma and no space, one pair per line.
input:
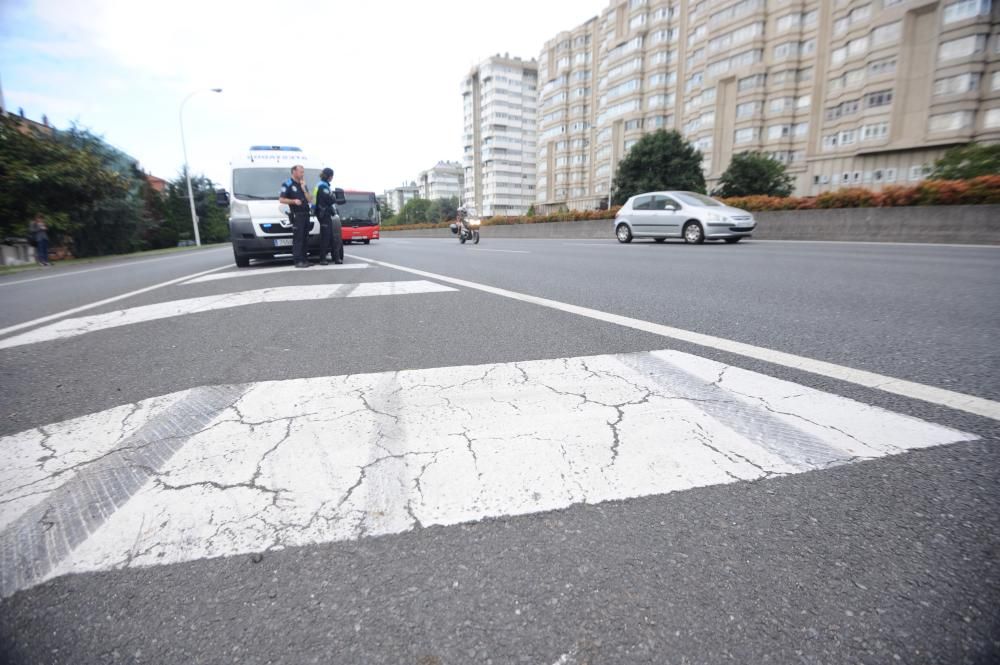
[265,184]
[359,208]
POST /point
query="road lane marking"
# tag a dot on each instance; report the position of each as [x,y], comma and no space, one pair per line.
[248,272]
[74,273]
[173,308]
[99,303]
[948,398]
[296,462]
[506,251]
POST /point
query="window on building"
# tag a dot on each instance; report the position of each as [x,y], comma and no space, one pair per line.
[964,10]
[887,34]
[775,132]
[874,131]
[748,109]
[746,135]
[950,122]
[961,48]
[991,118]
[880,98]
[956,85]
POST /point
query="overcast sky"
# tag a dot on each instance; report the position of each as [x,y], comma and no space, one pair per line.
[370,87]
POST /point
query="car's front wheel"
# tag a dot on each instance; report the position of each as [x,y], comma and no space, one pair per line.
[693,233]
[623,233]
[242,260]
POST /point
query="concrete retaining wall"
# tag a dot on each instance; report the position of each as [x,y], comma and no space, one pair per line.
[978,225]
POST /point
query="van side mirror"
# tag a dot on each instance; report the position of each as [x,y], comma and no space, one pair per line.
[338,196]
[221,198]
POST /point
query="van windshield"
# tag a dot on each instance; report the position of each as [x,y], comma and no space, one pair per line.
[359,208]
[265,184]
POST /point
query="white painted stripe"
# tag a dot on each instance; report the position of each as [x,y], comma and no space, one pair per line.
[255,272]
[322,459]
[99,303]
[163,310]
[506,251]
[73,273]
[925,393]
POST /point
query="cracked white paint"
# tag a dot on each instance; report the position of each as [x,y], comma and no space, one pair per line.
[270,270]
[124,317]
[323,459]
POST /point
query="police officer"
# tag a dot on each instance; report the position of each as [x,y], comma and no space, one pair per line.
[295,195]
[330,234]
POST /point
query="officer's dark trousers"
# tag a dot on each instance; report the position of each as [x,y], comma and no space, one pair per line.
[300,236]
[330,238]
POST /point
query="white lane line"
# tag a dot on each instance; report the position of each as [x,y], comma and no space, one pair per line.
[74,273]
[948,398]
[83,308]
[506,251]
[163,310]
[305,461]
[922,245]
[253,272]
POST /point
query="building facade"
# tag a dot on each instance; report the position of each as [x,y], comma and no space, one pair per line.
[844,92]
[499,99]
[443,181]
[398,197]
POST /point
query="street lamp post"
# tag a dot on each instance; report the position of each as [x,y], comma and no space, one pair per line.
[187,172]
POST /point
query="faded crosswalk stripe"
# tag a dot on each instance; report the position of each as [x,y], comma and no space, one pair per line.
[286,463]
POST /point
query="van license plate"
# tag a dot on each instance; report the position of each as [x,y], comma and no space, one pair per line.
[282,242]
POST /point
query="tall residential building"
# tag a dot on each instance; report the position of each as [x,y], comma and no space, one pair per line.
[844,92]
[499,98]
[442,181]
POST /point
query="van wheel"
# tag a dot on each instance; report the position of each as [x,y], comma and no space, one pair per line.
[693,233]
[242,260]
[623,233]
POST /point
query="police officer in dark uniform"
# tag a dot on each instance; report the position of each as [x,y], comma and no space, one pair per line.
[295,195]
[330,234]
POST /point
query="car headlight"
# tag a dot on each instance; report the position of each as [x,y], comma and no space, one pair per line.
[715,217]
[239,209]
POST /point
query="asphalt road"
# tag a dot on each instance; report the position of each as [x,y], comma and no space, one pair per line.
[894,559]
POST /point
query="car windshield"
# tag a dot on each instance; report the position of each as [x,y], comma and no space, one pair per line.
[694,199]
[359,207]
[264,184]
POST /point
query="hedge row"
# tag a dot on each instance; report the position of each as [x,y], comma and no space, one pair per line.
[984,189]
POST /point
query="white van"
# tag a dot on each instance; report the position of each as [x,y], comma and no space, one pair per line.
[258,225]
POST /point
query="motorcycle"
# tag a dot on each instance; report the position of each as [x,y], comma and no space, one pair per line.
[466,230]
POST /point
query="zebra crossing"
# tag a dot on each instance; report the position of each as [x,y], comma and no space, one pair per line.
[227,469]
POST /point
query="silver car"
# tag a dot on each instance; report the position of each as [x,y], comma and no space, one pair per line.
[694,217]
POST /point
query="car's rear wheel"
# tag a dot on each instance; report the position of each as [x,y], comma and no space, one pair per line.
[659,239]
[242,260]
[623,233]
[693,233]
[733,241]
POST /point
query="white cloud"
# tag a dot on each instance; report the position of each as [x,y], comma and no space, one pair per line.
[373,87]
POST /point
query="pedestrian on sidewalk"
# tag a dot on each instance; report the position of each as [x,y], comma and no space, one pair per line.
[330,231]
[295,194]
[38,234]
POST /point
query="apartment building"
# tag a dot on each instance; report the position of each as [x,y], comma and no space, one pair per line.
[844,92]
[499,99]
[443,181]
[397,197]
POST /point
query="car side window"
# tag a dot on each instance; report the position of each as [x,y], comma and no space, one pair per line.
[670,203]
[659,203]
[642,203]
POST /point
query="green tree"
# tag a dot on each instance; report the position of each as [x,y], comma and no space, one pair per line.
[967,161]
[213,222]
[39,174]
[660,160]
[448,207]
[386,210]
[415,211]
[752,173]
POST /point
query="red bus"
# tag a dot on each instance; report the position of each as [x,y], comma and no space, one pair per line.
[360,219]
